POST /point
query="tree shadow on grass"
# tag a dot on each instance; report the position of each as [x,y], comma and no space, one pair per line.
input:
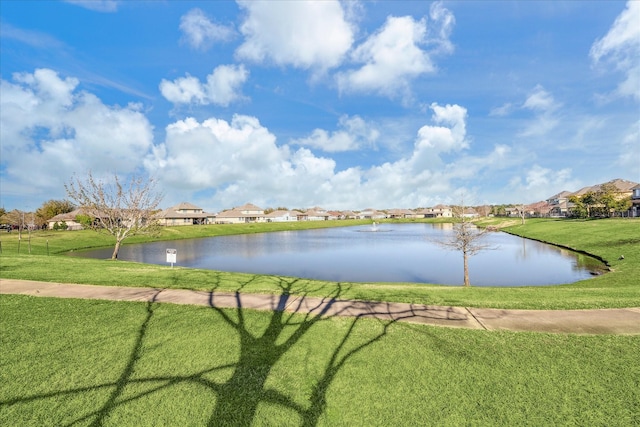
[238,398]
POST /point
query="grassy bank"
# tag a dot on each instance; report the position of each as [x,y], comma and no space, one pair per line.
[90,363]
[85,363]
[607,239]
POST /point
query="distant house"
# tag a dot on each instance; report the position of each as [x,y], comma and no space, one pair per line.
[348,215]
[371,214]
[539,209]
[559,204]
[241,215]
[400,213]
[281,216]
[470,213]
[316,214]
[635,201]
[183,214]
[623,188]
[438,211]
[422,213]
[68,218]
[333,215]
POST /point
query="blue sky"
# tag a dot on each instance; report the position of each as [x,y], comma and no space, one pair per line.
[343,105]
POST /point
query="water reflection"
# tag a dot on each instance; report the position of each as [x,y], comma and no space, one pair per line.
[392,253]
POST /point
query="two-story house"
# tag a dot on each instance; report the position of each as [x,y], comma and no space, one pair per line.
[184,214]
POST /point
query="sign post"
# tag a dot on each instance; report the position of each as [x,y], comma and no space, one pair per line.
[172,255]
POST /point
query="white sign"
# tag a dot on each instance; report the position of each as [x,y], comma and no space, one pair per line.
[172,255]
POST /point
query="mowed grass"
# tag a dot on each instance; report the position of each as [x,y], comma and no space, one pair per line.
[606,239]
[90,363]
[83,363]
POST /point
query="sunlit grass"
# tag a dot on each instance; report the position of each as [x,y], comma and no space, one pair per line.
[607,239]
[77,362]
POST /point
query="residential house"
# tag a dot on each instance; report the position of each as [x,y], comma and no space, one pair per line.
[439,211]
[241,215]
[635,201]
[559,204]
[68,218]
[539,209]
[400,213]
[623,188]
[183,214]
[470,213]
[334,215]
[349,215]
[422,213]
[281,216]
[371,214]
[314,214]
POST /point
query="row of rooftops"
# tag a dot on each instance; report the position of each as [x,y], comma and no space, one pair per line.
[249,210]
[187,211]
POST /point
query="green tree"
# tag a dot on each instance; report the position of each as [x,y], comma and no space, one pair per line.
[51,208]
[622,205]
[85,220]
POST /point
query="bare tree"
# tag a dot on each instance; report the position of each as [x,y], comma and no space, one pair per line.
[466,238]
[116,209]
[16,218]
[522,212]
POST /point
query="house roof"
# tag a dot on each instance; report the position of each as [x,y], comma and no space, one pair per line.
[561,195]
[237,213]
[186,206]
[69,216]
[248,207]
[622,185]
[170,213]
[279,213]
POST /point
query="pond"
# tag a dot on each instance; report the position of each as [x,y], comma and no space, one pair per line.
[386,253]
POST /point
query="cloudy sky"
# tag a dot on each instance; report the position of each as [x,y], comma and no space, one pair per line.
[355,104]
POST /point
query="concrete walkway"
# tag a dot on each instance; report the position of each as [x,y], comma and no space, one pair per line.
[607,321]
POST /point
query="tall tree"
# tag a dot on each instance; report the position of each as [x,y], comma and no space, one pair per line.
[51,208]
[608,196]
[121,210]
[466,238]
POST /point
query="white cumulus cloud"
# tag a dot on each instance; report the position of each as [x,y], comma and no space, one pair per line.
[302,34]
[223,86]
[540,183]
[620,47]
[398,53]
[545,107]
[50,130]
[97,5]
[354,133]
[200,33]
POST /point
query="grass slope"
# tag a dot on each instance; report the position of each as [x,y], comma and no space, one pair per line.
[607,239]
[89,363]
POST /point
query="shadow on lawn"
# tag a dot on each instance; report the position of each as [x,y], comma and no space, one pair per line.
[238,398]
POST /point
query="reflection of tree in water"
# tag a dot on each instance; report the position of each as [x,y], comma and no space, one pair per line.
[236,399]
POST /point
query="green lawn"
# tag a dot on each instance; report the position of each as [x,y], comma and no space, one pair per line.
[607,239]
[90,363]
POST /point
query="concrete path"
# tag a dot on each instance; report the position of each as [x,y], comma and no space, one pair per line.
[607,321]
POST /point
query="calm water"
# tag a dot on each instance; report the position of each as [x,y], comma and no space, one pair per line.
[393,253]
